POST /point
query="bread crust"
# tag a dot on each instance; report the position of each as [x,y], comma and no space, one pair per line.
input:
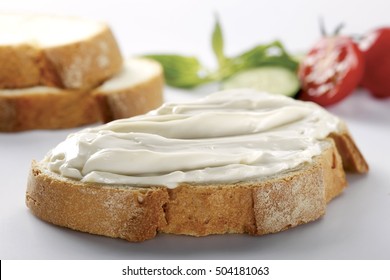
[47,110]
[52,108]
[257,207]
[19,66]
[114,212]
[84,64]
[353,160]
[78,65]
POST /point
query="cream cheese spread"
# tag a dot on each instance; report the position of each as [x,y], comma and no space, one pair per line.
[229,136]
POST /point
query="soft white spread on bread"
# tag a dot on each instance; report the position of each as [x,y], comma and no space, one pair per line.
[229,136]
[44,30]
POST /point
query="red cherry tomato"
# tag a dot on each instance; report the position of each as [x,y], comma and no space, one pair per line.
[331,70]
[376,50]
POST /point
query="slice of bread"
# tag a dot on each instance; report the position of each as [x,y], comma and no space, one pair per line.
[62,52]
[261,205]
[136,89]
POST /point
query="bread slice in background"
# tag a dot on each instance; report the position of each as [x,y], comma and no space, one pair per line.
[136,89]
[64,52]
[45,108]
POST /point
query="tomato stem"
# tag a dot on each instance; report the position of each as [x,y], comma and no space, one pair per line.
[322,27]
[338,29]
[323,31]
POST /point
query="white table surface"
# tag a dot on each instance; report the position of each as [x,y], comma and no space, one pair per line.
[356,225]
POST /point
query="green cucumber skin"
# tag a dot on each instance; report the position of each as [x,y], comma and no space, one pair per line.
[273,79]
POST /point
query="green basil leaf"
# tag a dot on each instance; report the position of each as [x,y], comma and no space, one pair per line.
[182,71]
[270,54]
[217,43]
[188,72]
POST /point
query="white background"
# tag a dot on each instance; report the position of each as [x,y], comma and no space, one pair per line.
[357,224]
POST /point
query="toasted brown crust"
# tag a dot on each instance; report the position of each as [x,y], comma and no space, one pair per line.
[19,66]
[85,64]
[255,207]
[353,160]
[79,65]
[47,110]
[133,215]
[52,108]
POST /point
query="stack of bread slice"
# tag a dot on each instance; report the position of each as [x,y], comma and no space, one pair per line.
[62,72]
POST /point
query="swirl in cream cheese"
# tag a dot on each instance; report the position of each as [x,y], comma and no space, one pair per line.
[229,136]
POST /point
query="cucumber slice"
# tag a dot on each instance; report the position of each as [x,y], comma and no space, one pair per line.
[273,79]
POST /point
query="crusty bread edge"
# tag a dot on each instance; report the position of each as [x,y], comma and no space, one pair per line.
[352,158]
[41,110]
[84,64]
